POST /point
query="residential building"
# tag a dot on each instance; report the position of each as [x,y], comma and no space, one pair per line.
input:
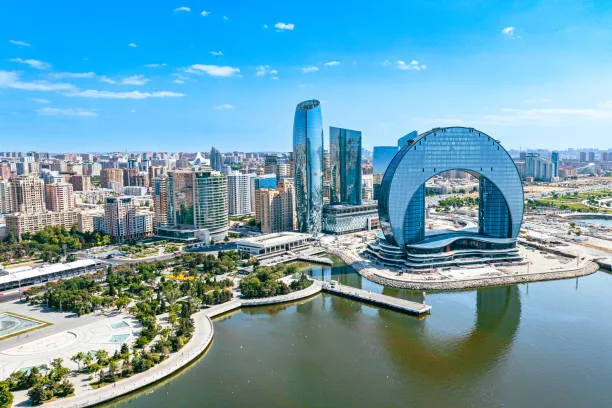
[122,222]
[111,178]
[239,194]
[80,182]
[275,210]
[28,194]
[59,197]
[20,223]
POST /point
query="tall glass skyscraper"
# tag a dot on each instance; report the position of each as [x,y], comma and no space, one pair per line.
[381,158]
[345,152]
[308,165]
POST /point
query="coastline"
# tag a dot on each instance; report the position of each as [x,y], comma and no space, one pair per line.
[196,346]
[374,274]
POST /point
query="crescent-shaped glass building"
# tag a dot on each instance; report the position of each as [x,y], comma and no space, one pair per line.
[401,205]
[308,165]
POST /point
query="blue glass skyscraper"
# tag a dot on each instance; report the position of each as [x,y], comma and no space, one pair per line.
[308,165]
[345,152]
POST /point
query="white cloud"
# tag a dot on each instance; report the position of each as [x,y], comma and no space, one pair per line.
[385,63]
[132,110]
[225,18]
[132,45]
[509,32]
[95,94]
[183,8]
[33,63]
[306,70]
[72,74]
[20,43]
[11,80]
[264,70]
[66,112]
[180,78]
[414,65]
[131,80]
[213,70]
[40,100]
[284,27]
[332,63]
[154,65]
[225,106]
[217,53]
[205,13]
[265,26]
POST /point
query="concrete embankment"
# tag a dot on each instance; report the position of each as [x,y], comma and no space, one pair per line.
[420,282]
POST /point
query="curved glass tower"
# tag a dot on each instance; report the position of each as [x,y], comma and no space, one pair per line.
[308,165]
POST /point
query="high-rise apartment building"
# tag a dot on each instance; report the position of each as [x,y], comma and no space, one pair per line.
[345,153]
[111,178]
[80,182]
[122,222]
[276,209]
[6,201]
[28,194]
[308,165]
[160,201]
[239,194]
[59,197]
[198,200]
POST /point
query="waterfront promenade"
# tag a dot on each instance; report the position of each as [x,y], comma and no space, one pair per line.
[195,347]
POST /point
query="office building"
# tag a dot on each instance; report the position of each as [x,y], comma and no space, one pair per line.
[538,168]
[308,165]
[401,206]
[382,156]
[344,219]
[216,159]
[554,158]
[266,181]
[345,163]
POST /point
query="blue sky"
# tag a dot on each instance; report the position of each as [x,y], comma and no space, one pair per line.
[185,75]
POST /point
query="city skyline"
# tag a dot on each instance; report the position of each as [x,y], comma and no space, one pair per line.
[196,75]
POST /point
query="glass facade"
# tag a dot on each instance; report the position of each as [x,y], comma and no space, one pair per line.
[198,200]
[401,202]
[345,163]
[308,165]
[381,158]
[266,181]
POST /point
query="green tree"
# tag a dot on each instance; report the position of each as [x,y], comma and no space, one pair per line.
[6,396]
[39,394]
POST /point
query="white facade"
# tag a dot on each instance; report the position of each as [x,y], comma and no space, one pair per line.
[239,194]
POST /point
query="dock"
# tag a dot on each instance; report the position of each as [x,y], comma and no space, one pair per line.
[377,299]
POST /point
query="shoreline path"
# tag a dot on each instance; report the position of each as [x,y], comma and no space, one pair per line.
[195,347]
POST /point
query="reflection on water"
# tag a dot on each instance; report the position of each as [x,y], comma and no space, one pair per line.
[539,345]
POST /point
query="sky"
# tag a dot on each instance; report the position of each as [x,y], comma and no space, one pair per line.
[137,75]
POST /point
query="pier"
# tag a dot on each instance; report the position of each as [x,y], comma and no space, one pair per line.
[377,299]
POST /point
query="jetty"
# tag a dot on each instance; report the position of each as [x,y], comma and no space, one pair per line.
[377,299]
